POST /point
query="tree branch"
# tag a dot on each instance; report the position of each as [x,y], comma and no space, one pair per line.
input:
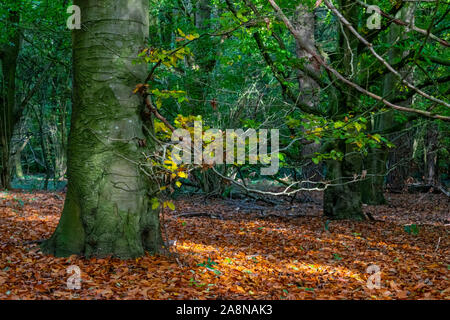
[339,76]
[378,57]
[405,24]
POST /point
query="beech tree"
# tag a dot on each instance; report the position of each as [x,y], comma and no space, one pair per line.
[107,209]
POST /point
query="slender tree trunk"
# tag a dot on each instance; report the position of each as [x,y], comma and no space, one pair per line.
[18,158]
[107,210]
[8,56]
[304,22]
[198,89]
[63,143]
[40,118]
[166,25]
[376,161]
[431,148]
[19,141]
[203,51]
[305,25]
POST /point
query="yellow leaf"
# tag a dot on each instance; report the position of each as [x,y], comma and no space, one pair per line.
[191,37]
[182,174]
[376,137]
[169,204]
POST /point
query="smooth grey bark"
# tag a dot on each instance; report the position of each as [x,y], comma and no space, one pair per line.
[304,23]
[309,89]
[107,210]
[18,146]
[431,150]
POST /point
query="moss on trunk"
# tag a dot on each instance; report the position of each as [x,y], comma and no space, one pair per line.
[342,200]
[107,211]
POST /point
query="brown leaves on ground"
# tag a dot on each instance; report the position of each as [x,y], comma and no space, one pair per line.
[239,250]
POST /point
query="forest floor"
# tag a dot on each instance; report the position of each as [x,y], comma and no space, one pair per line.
[237,249]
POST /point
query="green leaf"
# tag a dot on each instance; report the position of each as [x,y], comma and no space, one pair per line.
[155,203]
[337,257]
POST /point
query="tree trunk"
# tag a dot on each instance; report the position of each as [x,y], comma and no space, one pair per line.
[204,57]
[373,186]
[18,158]
[431,149]
[107,211]
[376,162]
[166,26]
[304,24]
[198,89]
[40,118]
[342,199]
[8,61]
[309,90]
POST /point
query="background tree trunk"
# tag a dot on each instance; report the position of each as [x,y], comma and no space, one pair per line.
[22,139]
[203,50]
[8,56]
[376,161]
[342,200]
[309,90]
[107,211]
[431,149]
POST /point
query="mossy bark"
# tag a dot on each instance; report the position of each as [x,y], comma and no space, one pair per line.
[372,188]
[342,198]
[107,211]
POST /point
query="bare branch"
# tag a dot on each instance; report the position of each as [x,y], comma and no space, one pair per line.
[320,60]
[379,58]
[405,24]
